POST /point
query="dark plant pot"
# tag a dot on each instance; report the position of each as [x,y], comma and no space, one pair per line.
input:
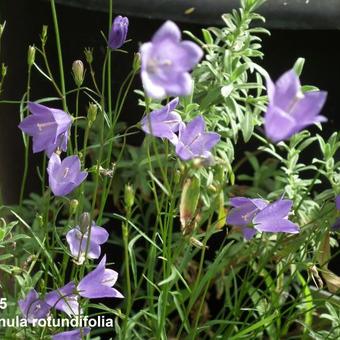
[281,14]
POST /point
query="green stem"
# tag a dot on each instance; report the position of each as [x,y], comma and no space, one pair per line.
[59,52]
[76,125]
[127,276]
[24,177]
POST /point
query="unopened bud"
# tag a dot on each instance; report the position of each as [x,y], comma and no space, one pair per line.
[30,55]
[40,220]
[196,243]
[222,211]
[16,270]
[2,28]
[89,54]
[85,222]
[189,202]
[136,62]
[177,176]
[78,72]
[43,36]
[118,32]
[3,70]
[73,206]
[2,228]
[129,196]
[92,113]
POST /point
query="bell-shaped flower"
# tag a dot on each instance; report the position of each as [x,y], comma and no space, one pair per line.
[48,127]
[79,241]
[336,225]
[274,218]
[166,61]
[193,141]
[65,300]
[99,282]
[64,176]
[337,202]
[32,308]
[163,122]
[243,211]
[76,334]
[289,109]
[118,33]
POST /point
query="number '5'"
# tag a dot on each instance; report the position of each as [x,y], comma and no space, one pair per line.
[3,303]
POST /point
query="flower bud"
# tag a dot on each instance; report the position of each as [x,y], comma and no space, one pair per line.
[129,196]
[196,243]
[31,55]
[2,28]
[3,225]
[136,62]
[40,220]
[189,202]
[78,72]
[89,54]
[92,113]
[73,206]
[118,33]
[222,211]
[43,36]
[85,222]
[3,70]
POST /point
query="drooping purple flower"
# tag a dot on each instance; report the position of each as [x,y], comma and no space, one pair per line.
[78,239]
[193,141]
[76,334]
[243,211]
[289,110]
[165,62]
[48,127]
[336,225]
[32,308]
[65,175]
[163,122]
[64,299]
[118,33]
[274,218]
[99,282]
[337,202]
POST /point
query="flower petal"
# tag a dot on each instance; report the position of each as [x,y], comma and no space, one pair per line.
[274,211]
[287,88]
[275,226]
[169,30]
[278,125]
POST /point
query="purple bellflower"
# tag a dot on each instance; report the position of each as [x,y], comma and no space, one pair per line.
[99,282]
[78,239]
[336,225]
[274,218]
[32,308]
[64,176]
[289,110]
[165,62]
[337,202]
[76,334]
[48,127]
[193,141]
[163,122]
[118,33]
[64,299]
[243,211]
